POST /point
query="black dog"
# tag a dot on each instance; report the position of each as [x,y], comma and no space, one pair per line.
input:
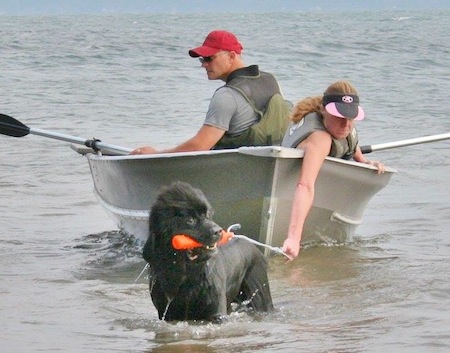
[202,282]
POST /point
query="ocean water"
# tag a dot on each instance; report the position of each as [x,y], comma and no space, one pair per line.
[68,277]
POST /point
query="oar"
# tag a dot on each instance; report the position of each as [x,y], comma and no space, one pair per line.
[402,143]
[13,127]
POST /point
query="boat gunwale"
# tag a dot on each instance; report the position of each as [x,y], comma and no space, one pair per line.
[260,151]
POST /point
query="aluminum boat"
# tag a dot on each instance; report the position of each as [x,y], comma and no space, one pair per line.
[252,186]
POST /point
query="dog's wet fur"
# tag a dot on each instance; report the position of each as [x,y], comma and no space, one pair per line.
[202,283]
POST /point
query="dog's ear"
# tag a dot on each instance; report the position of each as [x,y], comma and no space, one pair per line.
[155,227]
[148,251]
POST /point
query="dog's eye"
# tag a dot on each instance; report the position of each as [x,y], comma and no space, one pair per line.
[191,221]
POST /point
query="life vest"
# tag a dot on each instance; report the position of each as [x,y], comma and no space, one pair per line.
[262,92]
[297,132]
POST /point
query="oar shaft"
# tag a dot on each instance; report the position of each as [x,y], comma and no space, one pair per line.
[57,136]
[78,140]
[402,143]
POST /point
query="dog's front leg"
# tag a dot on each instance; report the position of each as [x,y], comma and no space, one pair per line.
[221,312]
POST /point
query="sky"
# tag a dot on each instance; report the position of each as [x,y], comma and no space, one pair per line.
[18,7]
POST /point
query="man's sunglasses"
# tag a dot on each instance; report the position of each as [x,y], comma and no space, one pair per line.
[208,59]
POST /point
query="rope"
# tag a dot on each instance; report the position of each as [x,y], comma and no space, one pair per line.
[273,248]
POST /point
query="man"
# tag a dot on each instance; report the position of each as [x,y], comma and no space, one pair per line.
[239,113]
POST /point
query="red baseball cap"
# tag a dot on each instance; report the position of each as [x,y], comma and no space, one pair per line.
[217,41]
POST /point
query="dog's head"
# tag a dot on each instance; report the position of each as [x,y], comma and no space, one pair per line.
[181,209]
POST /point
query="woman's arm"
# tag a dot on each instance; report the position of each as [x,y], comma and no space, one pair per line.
[316,147]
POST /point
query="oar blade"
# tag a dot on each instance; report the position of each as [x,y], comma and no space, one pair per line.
[12,127]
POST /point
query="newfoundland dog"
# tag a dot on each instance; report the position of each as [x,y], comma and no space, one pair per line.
[193,274]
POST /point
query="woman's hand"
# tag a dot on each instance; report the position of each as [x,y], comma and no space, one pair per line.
[291,247]
[380,166]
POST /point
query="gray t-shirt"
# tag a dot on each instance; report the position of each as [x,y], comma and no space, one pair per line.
[230,111]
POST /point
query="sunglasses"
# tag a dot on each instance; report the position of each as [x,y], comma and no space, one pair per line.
[209,59]
[206,59]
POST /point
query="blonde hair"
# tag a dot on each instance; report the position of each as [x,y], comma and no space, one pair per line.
[314,104]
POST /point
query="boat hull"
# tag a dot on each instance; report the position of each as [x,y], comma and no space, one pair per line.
[252,186]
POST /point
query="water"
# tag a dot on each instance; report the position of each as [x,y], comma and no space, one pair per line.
[67,276]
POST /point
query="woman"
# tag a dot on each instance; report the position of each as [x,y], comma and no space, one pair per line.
[321,126]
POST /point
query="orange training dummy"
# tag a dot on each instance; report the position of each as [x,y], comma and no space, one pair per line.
[185,242]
